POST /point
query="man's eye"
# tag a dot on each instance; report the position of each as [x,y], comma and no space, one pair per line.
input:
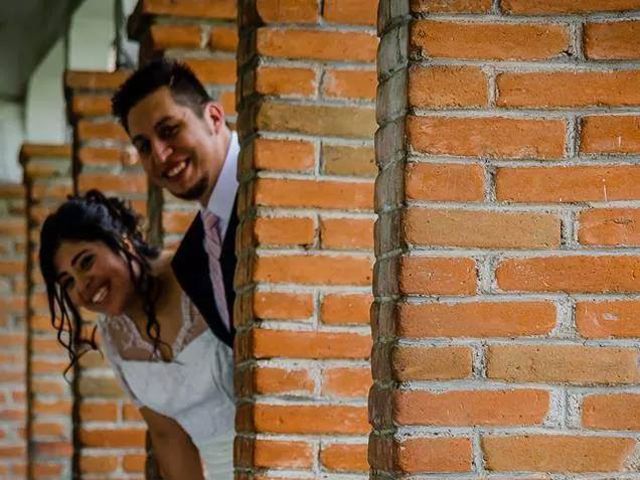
[86,262]
[168,131]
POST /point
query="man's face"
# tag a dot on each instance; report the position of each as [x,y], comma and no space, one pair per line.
[179,150]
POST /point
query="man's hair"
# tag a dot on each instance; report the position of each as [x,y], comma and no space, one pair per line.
[185,88]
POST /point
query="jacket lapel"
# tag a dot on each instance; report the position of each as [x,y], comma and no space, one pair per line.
[191,267]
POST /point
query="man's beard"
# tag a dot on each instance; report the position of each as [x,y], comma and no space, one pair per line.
[194,193]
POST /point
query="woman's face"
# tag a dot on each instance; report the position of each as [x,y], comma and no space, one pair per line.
[94,277]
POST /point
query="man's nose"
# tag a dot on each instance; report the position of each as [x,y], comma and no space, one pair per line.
[161,150]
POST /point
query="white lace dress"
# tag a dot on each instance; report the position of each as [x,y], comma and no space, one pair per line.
[195,388]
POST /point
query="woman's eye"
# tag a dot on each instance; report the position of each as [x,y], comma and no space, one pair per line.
[67,283]
[168,131]
[86,262]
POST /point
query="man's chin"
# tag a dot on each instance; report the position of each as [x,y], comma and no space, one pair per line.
[194,193]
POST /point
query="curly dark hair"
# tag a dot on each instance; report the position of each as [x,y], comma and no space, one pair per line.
[93,217]
[185,88]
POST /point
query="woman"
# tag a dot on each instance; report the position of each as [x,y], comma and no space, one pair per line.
[93,256]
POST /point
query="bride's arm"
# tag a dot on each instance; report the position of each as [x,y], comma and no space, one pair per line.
[173,449]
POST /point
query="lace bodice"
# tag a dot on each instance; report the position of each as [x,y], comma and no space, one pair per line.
[195,388]
[120,334]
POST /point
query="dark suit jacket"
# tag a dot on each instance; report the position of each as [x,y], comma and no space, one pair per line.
[191,267]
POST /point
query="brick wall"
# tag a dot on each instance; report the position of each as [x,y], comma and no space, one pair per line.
[49,436]
[306,121]
[505,320]
[109,431]
[13,332]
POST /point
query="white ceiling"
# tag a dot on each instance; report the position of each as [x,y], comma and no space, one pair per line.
[28,29]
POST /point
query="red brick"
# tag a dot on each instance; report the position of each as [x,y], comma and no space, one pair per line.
[98,464]
[348,160]
[91,105]
[101,156]
[608,319]
[277,381]
[286,81]
[314,194]
[437,276]
[568,89]
[297,344]
[610,227]
[532,7]
[220,9]
[346,233]
[451,6]
[98,411]
[347,381]
[475,319]
[444,182]
[287,11]
[163,36]
[131,413]
[111,438]
[344,309]
[556,453]
[610,134]
[133,463]
[579,274]
[281,454]
[313,269]
[434,455]
[612,411]
[471,407]
[317,44]
[282,306]
[350,12]
[574,364]
[48,429]
[431,363]
[497,137]
[568,184]
[284,230]
[483,229]
[488,41]
[446,86]
[131,183]
[612,40]
[95,80]
[100,130]
[344,457]
[311,419]
[223,38]
[294,155]
[215,71]
[355,84]
[320,120]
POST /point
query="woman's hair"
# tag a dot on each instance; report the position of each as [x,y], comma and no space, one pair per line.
[92,217]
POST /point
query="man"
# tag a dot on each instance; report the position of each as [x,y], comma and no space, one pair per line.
[186,147]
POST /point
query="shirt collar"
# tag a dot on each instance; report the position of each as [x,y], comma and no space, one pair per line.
[224,193]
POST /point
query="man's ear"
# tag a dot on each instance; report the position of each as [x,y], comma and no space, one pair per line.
[214,116]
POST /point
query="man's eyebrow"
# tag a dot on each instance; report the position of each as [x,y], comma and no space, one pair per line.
[162,121]
[74,260]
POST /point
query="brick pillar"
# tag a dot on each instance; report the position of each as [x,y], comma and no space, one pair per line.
[109,430]
[204,36]
[306,124]
[505,320]
[13,334]
[47,178]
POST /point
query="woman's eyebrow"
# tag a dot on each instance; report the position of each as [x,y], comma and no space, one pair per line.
[74,260]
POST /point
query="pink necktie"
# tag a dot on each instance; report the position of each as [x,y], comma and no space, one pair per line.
[213,247]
